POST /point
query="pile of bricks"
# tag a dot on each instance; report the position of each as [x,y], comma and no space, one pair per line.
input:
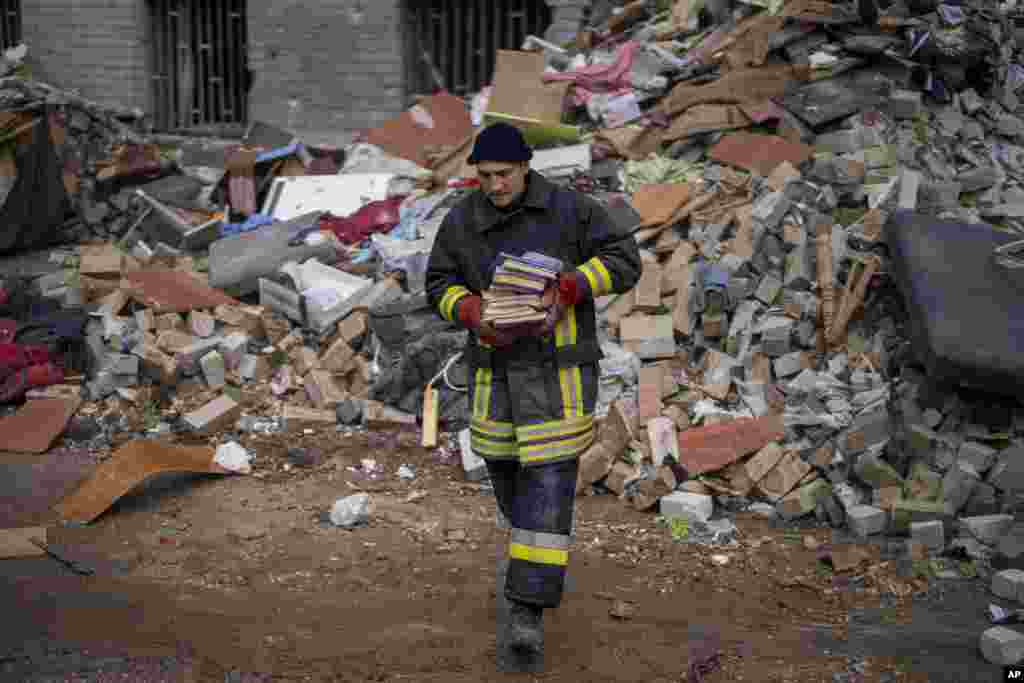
[139,351]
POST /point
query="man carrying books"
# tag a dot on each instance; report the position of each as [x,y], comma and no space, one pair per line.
[519,263]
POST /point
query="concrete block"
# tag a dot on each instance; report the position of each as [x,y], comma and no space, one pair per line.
[958,484]
[978,455]
[768,211]
[932,535]
[218,414]
[906,512]
[693,506]
[214,370]
[769,288]
[847,495]
[987,528]
[1007,474]
[877,473]
[865,520]
[789,365]
[984,500]
[910,183]
[905,104]
[868,429]
[1009,584]
[803,500]
[1003,646]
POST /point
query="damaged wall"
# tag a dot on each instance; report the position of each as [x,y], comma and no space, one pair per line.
[345,75]
[323,69]
[97,47]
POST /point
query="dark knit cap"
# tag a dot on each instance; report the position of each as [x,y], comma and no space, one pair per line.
[500,142]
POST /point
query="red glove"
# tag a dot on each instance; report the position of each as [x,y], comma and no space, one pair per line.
[470,311]
[570,289]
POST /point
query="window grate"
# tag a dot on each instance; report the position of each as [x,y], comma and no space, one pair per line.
[456,41]
[200,72]
[10,23]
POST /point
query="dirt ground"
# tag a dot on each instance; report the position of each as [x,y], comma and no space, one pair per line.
[243,574]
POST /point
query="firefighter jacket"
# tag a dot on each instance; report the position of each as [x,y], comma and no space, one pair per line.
[550,220]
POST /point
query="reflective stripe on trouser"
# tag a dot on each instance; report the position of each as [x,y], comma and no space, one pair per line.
[538,502]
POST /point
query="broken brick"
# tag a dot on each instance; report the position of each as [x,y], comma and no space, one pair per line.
[710,448]
[322,390]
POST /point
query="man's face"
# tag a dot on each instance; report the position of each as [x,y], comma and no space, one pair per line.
[502,182]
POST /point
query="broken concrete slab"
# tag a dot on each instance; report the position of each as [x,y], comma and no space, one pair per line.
[128,467]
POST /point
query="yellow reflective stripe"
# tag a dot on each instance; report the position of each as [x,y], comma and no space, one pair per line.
[486,448]
[544,430]
[567,445]
[604,275]
[571,381]
[577,379]
[562,452]
[482,393]
[598,277]
[448,301]
[591,276]
[499,430]
[565,329]
[518,551]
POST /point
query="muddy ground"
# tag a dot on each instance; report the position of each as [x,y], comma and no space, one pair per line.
[241,578]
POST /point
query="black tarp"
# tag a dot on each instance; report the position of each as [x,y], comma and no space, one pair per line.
[38,204]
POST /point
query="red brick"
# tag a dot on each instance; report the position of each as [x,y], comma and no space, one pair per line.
[706,449]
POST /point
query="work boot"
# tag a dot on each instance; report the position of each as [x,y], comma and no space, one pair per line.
[524,627]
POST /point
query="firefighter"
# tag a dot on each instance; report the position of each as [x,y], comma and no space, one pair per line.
[533,392]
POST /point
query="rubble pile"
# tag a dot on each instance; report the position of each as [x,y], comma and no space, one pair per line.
[757,155]
[775,363]
[96,148]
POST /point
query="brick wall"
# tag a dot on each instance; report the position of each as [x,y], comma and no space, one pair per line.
[97,47]
[345,77]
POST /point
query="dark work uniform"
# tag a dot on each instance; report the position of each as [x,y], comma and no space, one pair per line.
[532,403]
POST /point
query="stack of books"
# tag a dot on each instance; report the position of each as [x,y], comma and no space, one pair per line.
[516,294]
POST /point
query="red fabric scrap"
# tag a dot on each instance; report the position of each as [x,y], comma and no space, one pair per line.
[614,78]
[378,216]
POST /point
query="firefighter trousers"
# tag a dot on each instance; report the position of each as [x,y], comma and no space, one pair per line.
[530,423]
